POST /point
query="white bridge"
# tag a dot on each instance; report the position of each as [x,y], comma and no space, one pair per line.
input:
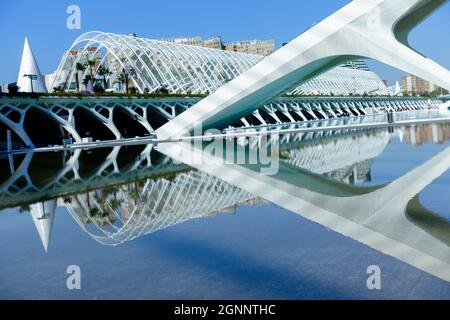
[117,118]
[374,29]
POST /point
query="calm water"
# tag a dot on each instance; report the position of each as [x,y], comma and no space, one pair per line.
[140,225]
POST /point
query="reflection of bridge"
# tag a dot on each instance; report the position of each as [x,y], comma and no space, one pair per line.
[388,218]
[160,203]
[114,118]
[157,201]
[319,152]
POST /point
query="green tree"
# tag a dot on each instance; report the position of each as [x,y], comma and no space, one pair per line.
[88,78]
[78,67]
[91,64]
[123,78]
[104,72]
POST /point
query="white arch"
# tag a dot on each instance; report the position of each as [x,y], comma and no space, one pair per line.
[375,29]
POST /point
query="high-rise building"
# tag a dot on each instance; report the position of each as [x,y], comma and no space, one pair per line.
[415,85]
[436,133]
[258,47]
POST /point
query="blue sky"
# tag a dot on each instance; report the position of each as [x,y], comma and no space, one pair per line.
[44,22]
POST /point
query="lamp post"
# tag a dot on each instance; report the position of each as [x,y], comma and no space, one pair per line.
[31,77]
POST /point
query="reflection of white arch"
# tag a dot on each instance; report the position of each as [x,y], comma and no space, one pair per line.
[161,203]
[379,217]
[172,199]
[375,29]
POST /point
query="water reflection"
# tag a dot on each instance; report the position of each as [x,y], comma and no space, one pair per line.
[118,194]
[387,217]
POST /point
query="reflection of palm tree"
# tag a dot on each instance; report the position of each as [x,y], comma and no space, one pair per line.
[93,212]
[24,208]
[79,67]
[115,204]
[88,200]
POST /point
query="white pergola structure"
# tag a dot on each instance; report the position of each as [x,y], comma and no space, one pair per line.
[153,64]
[343,81]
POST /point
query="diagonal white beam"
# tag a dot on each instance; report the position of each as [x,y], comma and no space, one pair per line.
[375,29]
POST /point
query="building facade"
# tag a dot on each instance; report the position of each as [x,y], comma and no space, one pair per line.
[412,84]
[212,43]
[258,47]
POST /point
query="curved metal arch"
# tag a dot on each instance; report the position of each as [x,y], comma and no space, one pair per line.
[199,80]
[183,68]
[157,68]
[190,76]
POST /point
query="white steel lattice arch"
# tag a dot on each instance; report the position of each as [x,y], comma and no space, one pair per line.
[191,69]
[155,64]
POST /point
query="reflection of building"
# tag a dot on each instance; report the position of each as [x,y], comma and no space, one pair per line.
[355,174]
[113,210]
[419,134]
[258,47]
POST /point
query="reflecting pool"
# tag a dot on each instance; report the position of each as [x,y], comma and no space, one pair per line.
[141,223]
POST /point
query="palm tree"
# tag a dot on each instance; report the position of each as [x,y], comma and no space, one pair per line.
[79,67]
[104,72]
[87,78]
[91,65]
[124,79]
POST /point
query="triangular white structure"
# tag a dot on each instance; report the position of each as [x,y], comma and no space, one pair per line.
[43,214]
[28,66]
